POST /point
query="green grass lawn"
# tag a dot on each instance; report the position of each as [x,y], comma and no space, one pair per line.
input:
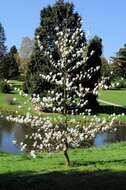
[22,105]
[114,96]
[5,106]
[93,168]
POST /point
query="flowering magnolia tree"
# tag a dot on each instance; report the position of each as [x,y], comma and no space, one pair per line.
[68,96]
[71,75]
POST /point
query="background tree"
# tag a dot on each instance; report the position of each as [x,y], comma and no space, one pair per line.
[26,48]
[4,66]
[2,41]
[13,68]
[105,67]
[2,51]
[93,65]
[9,64]
[105,73]
[119,63]
[23,65]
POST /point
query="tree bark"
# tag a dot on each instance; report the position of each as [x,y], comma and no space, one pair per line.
[65,149]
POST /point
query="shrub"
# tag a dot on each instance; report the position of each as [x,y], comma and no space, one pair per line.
[10,100]
[5,87]
[117,84]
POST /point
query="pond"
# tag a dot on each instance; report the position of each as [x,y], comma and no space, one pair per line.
[10,131]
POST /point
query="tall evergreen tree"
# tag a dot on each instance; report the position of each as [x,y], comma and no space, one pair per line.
[93,65]
[60,16]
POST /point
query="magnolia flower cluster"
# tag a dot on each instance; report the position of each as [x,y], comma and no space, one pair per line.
[55,99]
[27,120]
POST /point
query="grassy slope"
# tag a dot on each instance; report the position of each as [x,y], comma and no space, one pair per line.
[5,107]
[94,168]
[114,96]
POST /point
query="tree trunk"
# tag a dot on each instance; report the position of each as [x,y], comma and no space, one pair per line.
[65,149]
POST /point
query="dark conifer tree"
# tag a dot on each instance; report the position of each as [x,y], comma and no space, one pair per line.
[59,16]
[94,66]
[13,70]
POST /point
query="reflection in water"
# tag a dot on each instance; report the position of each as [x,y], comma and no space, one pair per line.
[13,131]
[100,139]
[10,132]
[109,137]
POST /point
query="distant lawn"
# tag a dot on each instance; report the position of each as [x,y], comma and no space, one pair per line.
[113,96]
[6,107]
[20,106]
[93,168]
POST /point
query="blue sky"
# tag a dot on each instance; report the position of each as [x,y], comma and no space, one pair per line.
[105,18]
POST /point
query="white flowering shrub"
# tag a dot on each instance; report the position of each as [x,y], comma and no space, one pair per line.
[5,86]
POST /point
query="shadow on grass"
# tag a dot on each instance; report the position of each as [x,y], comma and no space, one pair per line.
[94,163]
[94,180]
[109,109]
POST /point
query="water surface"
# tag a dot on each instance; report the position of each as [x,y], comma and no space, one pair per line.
[10,131]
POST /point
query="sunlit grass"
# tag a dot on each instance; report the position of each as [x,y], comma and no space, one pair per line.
[114,96]
[107,157]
